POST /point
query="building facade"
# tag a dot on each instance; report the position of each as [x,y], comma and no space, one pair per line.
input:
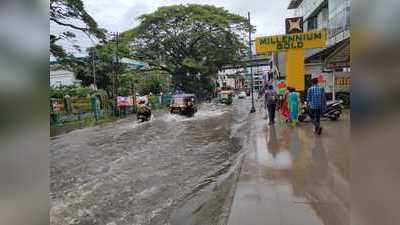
[60,78]
[332,62]
[260,74]
[232,77]
[239,76]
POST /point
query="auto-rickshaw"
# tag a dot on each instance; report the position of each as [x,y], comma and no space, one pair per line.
[225,97]
[183,104]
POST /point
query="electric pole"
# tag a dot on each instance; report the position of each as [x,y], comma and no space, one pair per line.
[253,109]
[115,74]
[94,69]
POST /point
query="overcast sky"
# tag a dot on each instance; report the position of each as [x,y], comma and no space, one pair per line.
[119,15]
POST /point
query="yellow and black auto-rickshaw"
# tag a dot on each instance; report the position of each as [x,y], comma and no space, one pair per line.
[225,97]
[183,104]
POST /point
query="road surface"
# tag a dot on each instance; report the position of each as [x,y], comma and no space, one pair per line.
[223,166]
[157,172]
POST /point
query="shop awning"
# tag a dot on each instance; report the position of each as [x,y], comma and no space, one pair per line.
[340,57]
[335,56]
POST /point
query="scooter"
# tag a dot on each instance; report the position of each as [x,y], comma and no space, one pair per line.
[333,111]
[144,113]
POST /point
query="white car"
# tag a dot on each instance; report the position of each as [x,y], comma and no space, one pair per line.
[242,94]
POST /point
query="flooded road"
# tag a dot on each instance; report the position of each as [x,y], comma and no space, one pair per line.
[171,170]
[223,166]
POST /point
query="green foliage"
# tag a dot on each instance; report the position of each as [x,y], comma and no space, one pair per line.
[103,62]
[191,42]
[73,91]
[142,82]
[63,13]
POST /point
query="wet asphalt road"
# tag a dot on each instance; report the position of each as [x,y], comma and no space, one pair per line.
[145,173]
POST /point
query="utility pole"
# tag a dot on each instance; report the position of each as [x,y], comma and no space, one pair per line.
[115,75]
[94,69]
[253,109]
[93,63]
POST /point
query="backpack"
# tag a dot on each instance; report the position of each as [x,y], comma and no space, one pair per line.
[271,97]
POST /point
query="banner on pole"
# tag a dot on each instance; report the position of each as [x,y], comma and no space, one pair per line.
[124,101]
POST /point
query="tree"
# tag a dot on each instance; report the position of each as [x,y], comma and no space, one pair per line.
[69,14]
[191,42]
[104,66]
[143,82]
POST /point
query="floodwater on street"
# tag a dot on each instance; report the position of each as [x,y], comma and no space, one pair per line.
[171,170]
[222,166]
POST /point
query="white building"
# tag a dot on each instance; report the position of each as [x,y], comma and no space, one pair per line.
[62,78]
[260,76]
[231,77]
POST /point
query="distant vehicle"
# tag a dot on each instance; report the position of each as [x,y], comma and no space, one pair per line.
[242,94]
[225,97]
[183,104]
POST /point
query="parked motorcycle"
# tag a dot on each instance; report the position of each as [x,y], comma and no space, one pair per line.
[333,111]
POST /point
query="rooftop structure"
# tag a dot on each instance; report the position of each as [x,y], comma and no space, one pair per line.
[293,4]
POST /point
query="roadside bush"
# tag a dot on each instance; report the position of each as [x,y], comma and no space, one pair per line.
[74,91]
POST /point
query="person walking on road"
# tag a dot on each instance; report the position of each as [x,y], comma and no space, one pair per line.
[294,105]
[270,102]
[284,106]
[316,101]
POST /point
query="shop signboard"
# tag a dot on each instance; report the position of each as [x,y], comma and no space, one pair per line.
[313,39]
[294,45]
[342,83]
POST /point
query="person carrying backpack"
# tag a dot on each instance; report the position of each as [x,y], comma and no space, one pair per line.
[270,101]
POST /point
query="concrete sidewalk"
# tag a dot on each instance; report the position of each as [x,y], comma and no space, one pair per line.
[288,177]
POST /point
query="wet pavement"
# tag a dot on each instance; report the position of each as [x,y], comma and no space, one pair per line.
[171,170]
[292,177]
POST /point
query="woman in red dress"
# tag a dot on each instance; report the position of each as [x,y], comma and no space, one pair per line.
[285,107]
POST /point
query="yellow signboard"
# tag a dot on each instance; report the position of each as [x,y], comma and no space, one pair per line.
[314,39]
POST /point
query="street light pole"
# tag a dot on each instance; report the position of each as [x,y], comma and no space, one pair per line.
[253,109]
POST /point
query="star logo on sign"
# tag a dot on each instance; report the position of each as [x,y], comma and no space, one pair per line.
[294,25]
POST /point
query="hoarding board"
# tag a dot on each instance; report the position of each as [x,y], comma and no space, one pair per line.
[124,101]
[314,39]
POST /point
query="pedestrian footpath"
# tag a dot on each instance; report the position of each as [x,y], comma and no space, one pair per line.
[280,175]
